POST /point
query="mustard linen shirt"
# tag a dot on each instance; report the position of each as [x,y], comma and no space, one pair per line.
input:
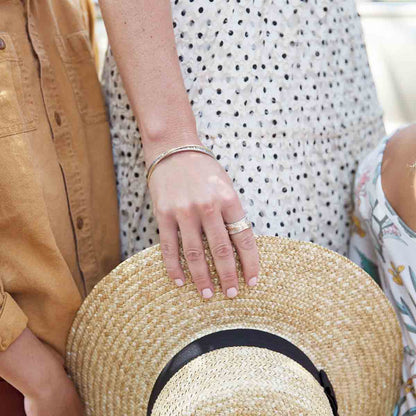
[59,232]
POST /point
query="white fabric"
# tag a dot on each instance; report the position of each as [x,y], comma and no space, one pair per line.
[283,95]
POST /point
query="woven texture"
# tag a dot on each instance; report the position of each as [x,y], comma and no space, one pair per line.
[135,320]
[242,381]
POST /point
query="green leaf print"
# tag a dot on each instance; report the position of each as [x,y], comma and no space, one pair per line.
[411,328]
[369,266]
[405,310]
[413,277]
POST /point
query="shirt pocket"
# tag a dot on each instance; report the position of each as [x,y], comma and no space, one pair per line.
[77,57]
[16,103]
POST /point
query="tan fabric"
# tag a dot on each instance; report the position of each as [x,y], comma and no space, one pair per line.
[58,205]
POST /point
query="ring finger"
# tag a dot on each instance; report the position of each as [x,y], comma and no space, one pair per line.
[245,244]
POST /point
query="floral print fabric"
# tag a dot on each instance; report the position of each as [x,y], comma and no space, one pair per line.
[384,246]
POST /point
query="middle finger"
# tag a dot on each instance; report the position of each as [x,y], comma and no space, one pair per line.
[222,251]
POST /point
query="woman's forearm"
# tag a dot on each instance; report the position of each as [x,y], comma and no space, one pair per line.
[29,365]
[143,43]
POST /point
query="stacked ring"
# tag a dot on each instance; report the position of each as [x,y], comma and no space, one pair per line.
[238,226]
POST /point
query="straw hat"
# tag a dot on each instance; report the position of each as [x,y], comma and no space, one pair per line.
[139,345]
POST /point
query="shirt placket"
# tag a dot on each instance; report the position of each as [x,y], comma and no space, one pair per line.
[68,160]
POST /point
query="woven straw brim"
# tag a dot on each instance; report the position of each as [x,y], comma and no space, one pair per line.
[135,320]
[242,381]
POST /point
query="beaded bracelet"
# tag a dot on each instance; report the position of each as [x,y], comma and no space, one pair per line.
[193,147]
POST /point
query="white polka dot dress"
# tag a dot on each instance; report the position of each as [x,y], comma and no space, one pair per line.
[283,95]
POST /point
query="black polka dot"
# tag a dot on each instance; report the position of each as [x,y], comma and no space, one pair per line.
[284,98]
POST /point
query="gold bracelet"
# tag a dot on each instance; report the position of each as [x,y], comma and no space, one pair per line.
[194,147]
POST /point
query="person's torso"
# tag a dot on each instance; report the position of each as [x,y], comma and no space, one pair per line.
[275,66]
[283,95]
[56,164]
[385,248]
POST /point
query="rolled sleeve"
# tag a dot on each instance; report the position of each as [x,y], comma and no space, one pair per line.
[12,321]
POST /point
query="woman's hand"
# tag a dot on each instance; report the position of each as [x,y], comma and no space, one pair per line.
[191,191]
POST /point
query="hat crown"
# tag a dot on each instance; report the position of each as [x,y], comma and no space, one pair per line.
[242,381]
[232,341]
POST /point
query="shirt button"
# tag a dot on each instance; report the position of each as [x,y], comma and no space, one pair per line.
[2,44]
[80,223]
[58,118]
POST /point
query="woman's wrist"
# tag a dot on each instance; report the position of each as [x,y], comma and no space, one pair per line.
[47,379]
[174,150]
[168,136]
[29,365]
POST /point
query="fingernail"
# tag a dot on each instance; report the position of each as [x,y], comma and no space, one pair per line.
[252,281]
[207,293]
[232,292]
[179,282]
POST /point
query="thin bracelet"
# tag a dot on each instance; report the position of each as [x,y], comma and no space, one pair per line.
[194,147]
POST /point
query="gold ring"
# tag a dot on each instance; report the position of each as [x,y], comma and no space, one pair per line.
[238,226]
